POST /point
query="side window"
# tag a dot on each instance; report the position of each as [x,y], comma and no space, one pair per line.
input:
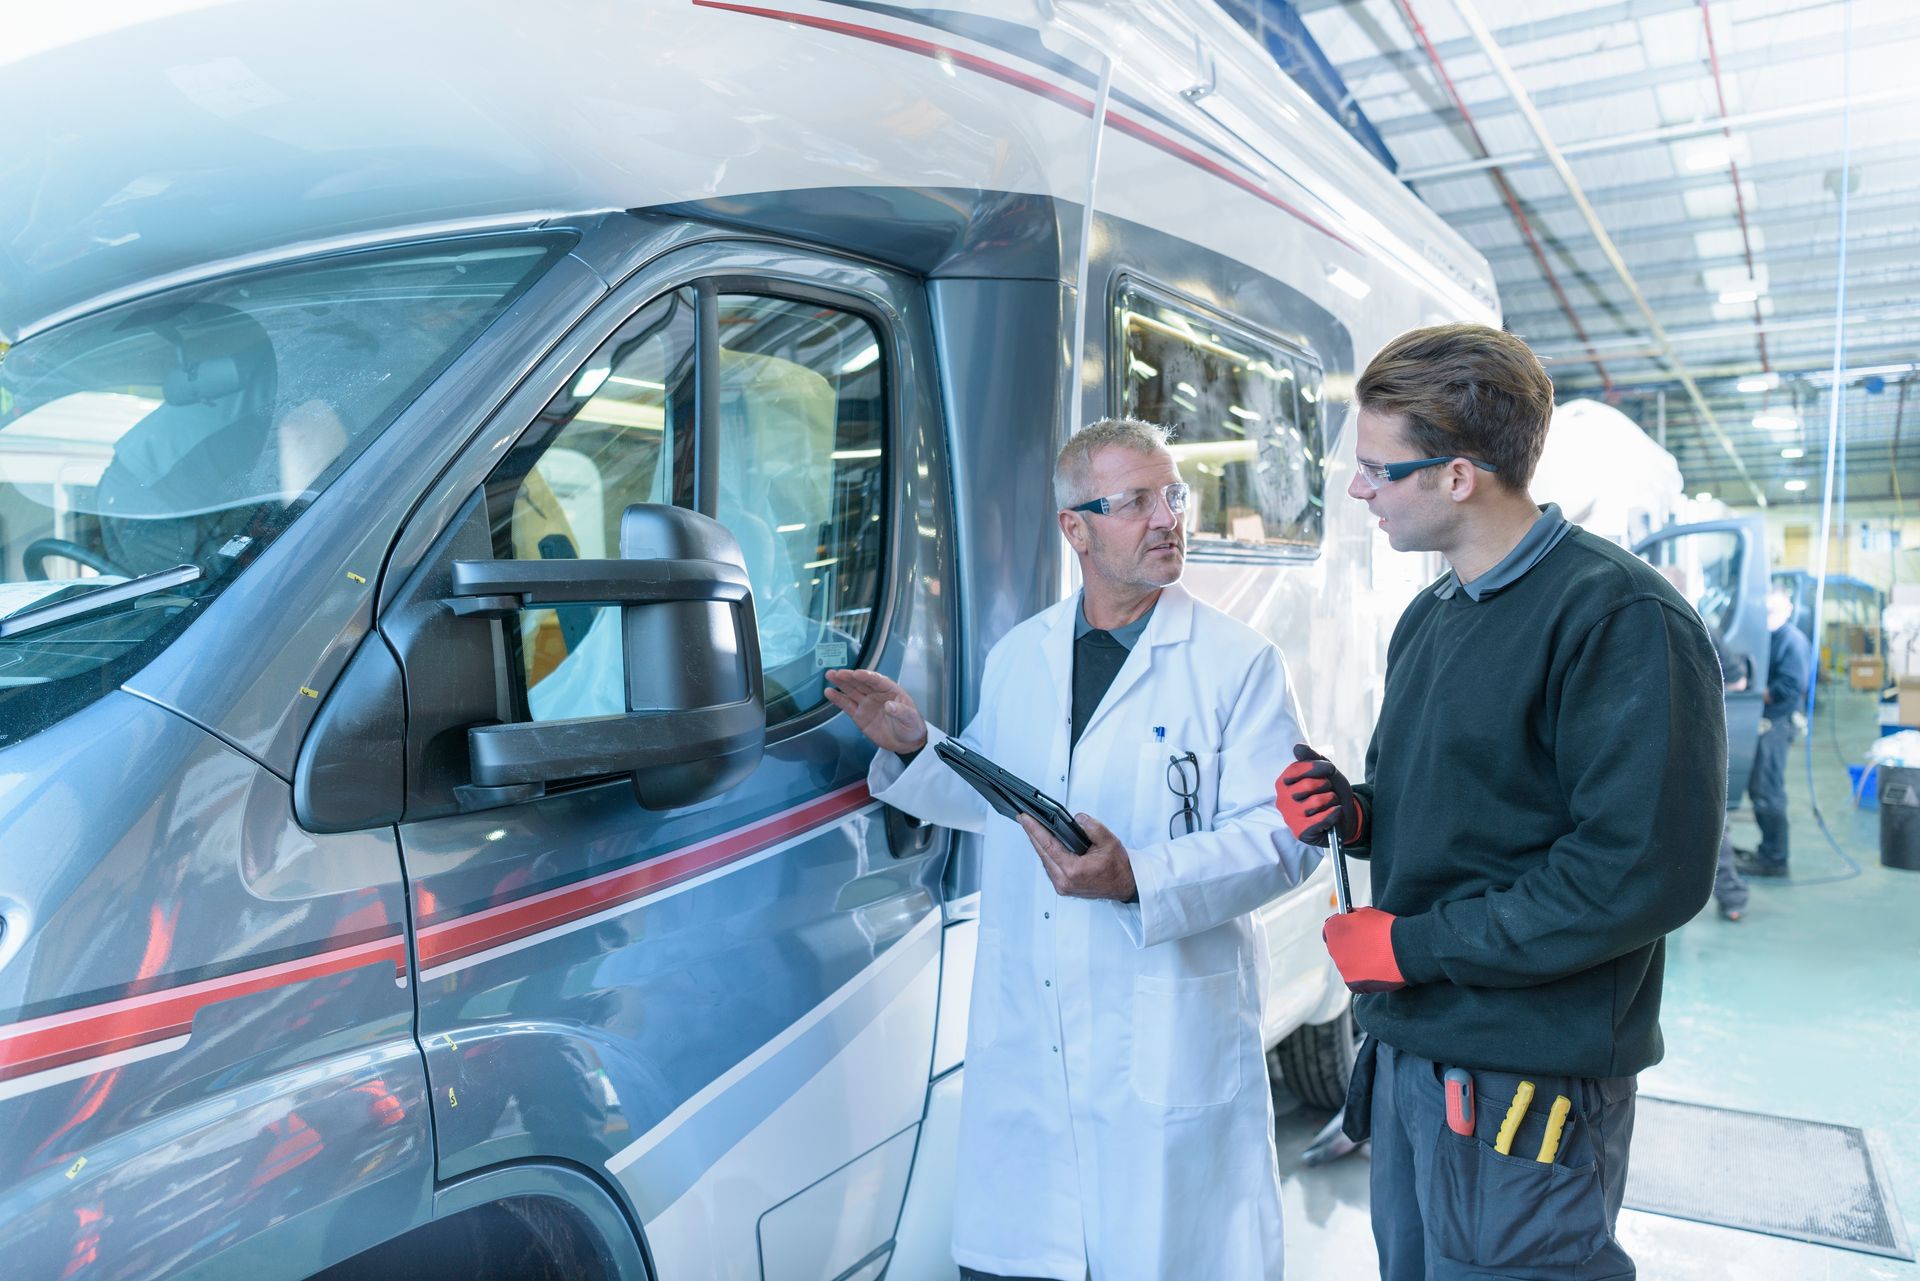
[621,433]
[1707,568]
[796,437]
[802,421]
[1245,413]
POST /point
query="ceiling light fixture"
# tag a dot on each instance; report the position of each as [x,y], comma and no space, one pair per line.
[1759,383]
[1776,422]
[1739,295]
[1793,453]
[1795,486]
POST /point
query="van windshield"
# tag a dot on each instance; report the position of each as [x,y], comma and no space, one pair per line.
[189,430]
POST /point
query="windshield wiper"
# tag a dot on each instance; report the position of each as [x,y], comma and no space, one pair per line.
[39,616]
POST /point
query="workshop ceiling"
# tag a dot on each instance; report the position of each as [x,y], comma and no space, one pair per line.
[1710,138]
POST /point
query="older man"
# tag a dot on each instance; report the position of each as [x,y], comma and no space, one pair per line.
[1116,1121]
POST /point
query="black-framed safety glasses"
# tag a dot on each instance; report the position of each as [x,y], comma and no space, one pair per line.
[1183,780]
[1380,475]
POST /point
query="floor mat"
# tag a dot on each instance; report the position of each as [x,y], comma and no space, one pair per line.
[1773,1174]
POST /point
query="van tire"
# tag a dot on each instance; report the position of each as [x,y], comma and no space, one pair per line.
[1316,1061]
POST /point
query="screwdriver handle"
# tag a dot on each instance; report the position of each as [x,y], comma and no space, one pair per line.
[1522,1097]
[1556,1122]
[1459,1102]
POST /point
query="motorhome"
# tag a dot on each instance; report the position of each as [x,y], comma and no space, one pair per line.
[435,472]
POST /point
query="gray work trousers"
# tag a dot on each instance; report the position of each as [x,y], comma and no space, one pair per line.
[1451,1208]
[1767,791]
[1729,890]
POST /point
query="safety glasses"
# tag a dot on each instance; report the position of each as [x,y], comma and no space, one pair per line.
[1133,504]
[1380,475]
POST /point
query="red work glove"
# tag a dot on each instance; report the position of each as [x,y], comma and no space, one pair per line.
[1361,945]
[1313,795]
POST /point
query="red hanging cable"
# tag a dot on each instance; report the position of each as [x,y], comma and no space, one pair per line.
[1739,200]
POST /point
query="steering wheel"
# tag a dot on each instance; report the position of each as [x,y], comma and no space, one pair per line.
[34,558]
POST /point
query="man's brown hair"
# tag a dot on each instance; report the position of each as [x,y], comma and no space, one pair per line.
[1467,391]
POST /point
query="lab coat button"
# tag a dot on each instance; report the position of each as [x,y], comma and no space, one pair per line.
[1046,916]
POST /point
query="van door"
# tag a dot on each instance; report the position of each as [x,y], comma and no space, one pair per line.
[1721,568]
[728,1007]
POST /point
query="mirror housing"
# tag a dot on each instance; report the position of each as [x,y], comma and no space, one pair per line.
[695,723]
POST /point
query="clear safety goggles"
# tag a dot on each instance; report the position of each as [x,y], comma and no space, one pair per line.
[1134,504]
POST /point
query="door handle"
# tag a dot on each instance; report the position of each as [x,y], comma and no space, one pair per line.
[907,836]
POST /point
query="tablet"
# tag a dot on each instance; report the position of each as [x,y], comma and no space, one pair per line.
[1012,795]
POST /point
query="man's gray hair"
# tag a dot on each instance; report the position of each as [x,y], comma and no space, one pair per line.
[1071,478]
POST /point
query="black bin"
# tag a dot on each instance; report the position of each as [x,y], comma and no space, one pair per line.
[1900,817]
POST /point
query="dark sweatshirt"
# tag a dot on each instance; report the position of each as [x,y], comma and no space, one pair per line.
[1546,788]
[1789,655]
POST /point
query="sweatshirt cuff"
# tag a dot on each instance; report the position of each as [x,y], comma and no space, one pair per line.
[1412,938]
[1363,799]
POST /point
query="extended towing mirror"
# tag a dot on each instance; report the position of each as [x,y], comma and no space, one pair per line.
[695,723]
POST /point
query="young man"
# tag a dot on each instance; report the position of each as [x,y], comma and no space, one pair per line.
[1544,797]
[1116,1121]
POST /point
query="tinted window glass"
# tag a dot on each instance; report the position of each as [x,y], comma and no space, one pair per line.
[1706,568]
[1245,412]
[802,415]
[801,424]
[191,429]
[621,433]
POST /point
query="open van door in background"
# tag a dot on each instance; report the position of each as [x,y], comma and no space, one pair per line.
[1723,569]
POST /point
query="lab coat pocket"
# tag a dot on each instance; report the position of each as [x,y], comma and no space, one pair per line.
[1527,1219]
[1169,779]
[1186,1039]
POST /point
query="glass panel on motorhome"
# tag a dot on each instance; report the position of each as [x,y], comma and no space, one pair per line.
[1706,568]
[802,425]
[151,452]
[801,420]
[621,432]
[1245,413]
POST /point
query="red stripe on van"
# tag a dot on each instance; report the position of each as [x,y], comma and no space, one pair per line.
[71,1036]
[1045,89]
[497,926]
[925,48]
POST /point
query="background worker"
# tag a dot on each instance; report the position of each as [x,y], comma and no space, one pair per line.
[1789,667]
[1730,893]
[1116,1121]
[1546,789]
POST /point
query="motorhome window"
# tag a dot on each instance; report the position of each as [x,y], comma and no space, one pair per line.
[194,427]
[800,420]
[1709,564]
[802,431]
[1245,412]
[620,432]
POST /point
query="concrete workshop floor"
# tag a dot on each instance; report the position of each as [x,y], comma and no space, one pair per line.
[1810,1007]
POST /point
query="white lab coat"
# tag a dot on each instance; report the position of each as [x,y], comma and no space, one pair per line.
[1116,1117]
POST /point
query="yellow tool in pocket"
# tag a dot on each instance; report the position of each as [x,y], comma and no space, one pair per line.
[1522,1096]
[1556,1122]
